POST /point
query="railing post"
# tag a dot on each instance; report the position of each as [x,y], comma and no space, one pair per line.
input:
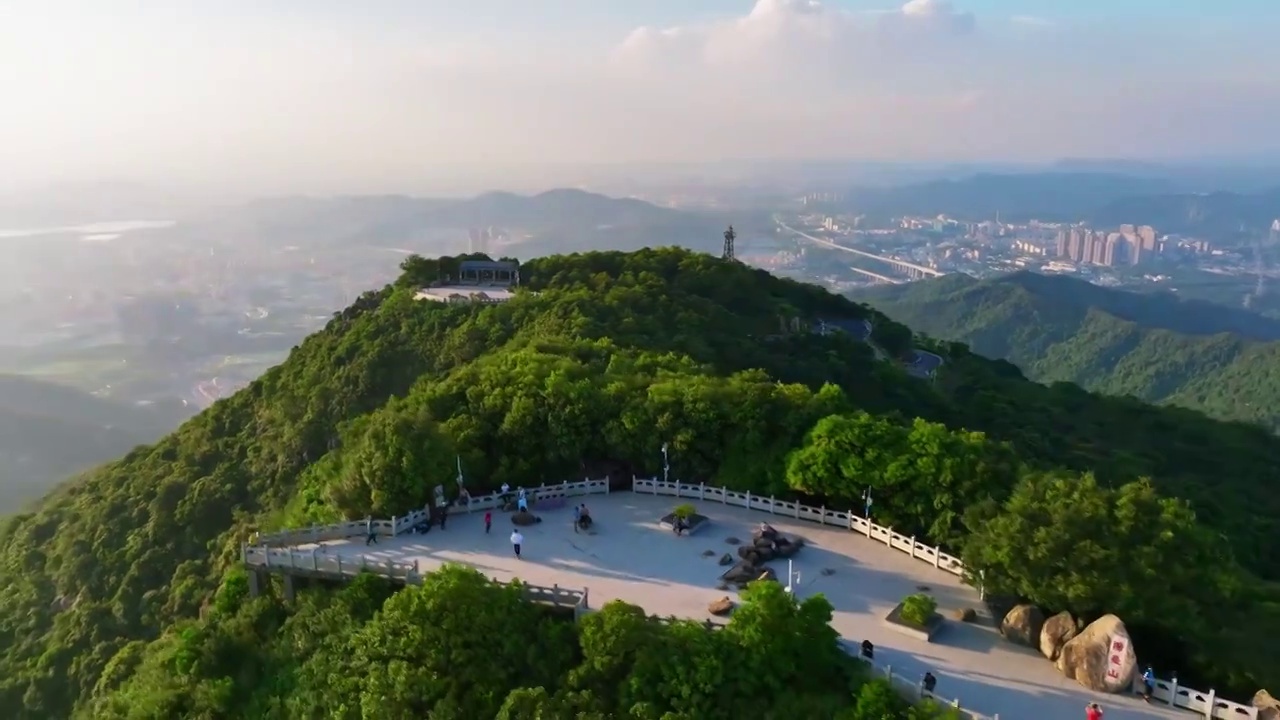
[1173,691]
[748,499]
[771,512]
[868,524]
[937,556]
[266,556]
[702,491]
[315,562]
[339,565]
[888,536]
[913,547]
[797,509]
[1213,700]
[677,488]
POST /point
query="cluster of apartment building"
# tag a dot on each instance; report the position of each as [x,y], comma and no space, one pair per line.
[1130,245]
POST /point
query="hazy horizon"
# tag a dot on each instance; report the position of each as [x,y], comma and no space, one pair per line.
[287,96]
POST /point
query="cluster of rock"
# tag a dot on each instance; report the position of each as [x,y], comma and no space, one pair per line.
[766,544]
[721,607]
[524,517]
[1100,656]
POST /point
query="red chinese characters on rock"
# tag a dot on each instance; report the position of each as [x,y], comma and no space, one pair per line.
[1118,647]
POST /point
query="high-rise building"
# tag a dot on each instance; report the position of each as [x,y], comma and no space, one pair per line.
[1064,242]
[1113,244]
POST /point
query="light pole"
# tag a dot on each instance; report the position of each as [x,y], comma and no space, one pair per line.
[459,471]
[866,503]
[666,466]
[793,578]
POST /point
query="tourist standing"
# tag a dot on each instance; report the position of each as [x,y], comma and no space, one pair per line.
[488,521]
[516,541]
[372,537]
[1093,712]
[1148,683]
[444,515]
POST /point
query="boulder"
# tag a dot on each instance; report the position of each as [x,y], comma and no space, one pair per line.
[1101,657]
[726,559]
[524,518]
[1022,625]
[966,615]
[1268,707]
[744,571]
[1055,633]
[721,607]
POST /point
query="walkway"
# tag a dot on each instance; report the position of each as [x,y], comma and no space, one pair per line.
[632,559]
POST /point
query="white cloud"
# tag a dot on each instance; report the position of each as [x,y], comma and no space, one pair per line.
[282,100]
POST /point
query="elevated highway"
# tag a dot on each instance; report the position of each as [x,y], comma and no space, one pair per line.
[912,270]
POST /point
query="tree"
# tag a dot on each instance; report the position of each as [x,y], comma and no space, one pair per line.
[1064,542]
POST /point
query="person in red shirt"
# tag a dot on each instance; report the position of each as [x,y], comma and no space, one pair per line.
[1093,712]
[488,522]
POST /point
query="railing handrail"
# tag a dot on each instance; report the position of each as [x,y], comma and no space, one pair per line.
[323,563]
[402,524]
[935,556]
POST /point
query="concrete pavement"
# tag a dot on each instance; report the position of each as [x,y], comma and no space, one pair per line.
[632,559]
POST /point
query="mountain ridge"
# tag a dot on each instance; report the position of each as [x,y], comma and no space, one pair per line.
[1157,347]
[598,361]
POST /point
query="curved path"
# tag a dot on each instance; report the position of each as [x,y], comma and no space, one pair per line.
[632,559]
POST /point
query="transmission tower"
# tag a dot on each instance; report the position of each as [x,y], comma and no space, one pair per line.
[729,236]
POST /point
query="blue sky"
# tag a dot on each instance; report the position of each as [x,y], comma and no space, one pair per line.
[370,95]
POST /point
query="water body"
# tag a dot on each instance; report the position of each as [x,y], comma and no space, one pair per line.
[92,232]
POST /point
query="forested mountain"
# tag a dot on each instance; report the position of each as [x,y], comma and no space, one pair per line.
[561,220]
[48,432]
[1156,347]
[122,599]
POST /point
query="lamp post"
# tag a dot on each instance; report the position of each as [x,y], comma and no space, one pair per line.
[459,471]
[666,466]
[793,578]
[866,503]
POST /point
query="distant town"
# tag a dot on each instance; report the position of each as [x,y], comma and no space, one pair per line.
[845,250]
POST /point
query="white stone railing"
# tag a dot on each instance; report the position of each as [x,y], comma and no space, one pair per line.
[542,493]
[914,690]
[820,515]
[403,524]
[1205,704]
[318,562]
[321,533]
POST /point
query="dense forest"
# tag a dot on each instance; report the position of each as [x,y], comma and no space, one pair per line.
[1156,347]
[122,598]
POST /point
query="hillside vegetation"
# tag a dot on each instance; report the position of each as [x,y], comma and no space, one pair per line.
[1156,347]
[113,608]
[49,432]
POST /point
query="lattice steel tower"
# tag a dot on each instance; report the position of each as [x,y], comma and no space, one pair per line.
[729,236]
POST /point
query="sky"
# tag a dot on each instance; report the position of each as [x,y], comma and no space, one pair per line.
[297,95]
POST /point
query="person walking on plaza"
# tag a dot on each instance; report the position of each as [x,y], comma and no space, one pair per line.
[444,515]
[372,537]
[516,540]
[1092,711]
[488,521]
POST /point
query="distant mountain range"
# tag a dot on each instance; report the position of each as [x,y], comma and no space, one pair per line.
[1102,199]
[562,220]
[1157,347]
[50,432]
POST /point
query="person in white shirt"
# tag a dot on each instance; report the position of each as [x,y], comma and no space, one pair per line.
[516,540]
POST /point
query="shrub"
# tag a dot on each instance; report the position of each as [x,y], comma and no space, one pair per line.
[918,609]
[685,511]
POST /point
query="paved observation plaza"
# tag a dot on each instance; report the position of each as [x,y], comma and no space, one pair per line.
[629,557]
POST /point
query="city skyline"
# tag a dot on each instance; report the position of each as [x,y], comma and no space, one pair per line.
[284,96]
